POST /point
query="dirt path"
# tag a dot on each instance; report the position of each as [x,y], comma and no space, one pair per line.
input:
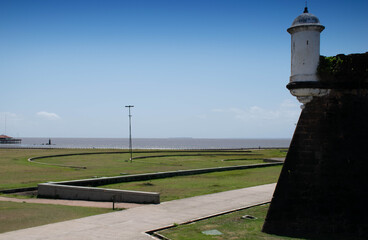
[72,202]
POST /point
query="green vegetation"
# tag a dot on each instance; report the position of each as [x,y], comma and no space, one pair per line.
[344,68]
[24,215]
[189,186]
[232,226]
[16,171]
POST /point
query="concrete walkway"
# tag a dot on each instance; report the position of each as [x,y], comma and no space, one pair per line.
[132,224]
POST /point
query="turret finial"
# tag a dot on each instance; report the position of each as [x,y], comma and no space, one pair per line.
[306,7]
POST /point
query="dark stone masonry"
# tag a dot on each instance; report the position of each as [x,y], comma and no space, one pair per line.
[322,191]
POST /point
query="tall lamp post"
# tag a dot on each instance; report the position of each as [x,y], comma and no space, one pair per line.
[130,133]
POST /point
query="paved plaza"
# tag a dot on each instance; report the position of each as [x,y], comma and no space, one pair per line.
[133,223]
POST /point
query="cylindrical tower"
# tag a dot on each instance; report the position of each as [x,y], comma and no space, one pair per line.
[305,44]
[305,51]
[322,189]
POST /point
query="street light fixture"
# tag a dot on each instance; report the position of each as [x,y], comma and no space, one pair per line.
[130,133]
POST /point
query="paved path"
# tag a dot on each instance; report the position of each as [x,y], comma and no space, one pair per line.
[132,224]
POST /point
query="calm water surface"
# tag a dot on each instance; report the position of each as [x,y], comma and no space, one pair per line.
[150,143]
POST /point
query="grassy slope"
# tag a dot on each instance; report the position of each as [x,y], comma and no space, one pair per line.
[189,186]
[24,215]
[231,225]
[16,171]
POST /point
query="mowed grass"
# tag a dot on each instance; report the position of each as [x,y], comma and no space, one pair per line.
[16,171]
[232,226]
[157,162]
[194,185]
[16,216]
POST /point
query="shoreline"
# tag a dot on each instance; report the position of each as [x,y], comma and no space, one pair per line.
[139,149]
[146,143]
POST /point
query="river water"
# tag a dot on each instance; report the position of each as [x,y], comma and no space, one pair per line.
[151,143]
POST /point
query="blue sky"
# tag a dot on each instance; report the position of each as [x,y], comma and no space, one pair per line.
[193,68]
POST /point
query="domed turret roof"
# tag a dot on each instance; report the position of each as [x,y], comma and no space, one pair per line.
[306,18]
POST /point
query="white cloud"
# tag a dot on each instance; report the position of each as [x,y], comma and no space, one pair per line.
[10,116]
[286,111]
[289,104]
[48,115]
[255,112]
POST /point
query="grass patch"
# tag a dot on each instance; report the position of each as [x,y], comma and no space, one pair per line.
[16,216]
[17,172]
[232,226]
[20,196]
[241,159]
[194,185]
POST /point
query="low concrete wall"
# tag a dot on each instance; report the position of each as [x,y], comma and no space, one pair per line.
[53,190]
[16,190]
[76,189]
[148,176]
[271,160]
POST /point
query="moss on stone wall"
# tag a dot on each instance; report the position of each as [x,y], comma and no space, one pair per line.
[351,68]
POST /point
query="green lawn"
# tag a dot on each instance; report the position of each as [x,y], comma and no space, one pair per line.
[232,226]
[24,215]
[194,185]
[16,171]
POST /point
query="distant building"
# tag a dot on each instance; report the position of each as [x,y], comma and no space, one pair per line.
[4,139]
